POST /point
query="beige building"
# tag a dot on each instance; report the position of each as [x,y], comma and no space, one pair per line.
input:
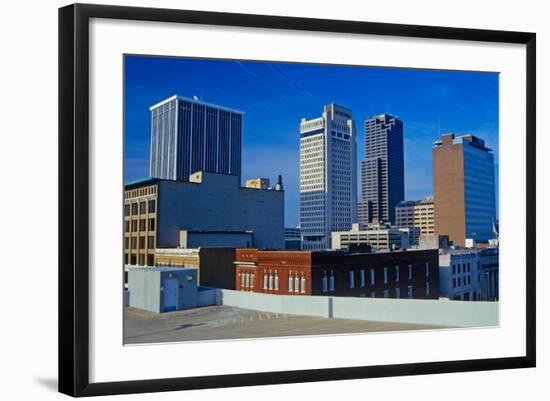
[140,218]
[418,214]
[383,237]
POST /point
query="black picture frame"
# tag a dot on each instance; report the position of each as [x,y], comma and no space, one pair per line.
[74,194]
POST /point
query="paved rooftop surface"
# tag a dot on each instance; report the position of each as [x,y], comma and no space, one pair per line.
[225,322]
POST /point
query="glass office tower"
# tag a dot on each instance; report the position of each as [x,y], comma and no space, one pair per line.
[189,135]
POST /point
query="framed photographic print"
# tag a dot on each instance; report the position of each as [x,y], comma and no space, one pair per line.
[297,199]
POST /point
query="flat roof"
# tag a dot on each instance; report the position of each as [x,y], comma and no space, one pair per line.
[196,101]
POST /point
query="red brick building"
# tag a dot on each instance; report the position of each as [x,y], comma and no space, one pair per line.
[400,274]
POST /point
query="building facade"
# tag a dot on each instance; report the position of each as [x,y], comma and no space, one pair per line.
[382,237]
[189,135]
[418,214]
[464,188]
[403,274]
[293,239]
[382,171]
[328,184]
[469,274]
[213,208]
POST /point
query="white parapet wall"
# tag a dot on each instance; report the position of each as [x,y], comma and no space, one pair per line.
[418,311]
[292,305]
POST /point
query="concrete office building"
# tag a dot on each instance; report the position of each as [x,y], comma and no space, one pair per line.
[418,214]
[464,188]
[189,135]
[328,187]
[382,237]
[403,274]
[210,210]
[382,171]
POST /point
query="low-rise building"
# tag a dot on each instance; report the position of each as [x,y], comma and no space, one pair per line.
[209,210]
[214,265]
[469,274]
[400,274]
[382,237]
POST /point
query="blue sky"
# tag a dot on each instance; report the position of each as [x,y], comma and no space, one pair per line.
[275,96]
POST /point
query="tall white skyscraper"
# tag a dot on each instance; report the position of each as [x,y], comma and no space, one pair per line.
[328,178]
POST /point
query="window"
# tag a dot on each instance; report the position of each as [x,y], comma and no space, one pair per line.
[265,281]
[454,282]
[351,279]
[150,241]
[459,282]
[151,224]
[134,226]
[142,207]
[142,225]
[371,276]
[290,283]
[296,283]
[133,259]
[386,293]
[324,282]
[427,270]
[252,280]
[141,260]
[396,274]
[276,281]
[150,260]
[242,280]
[126,210]
[454,269]
[331,281]
[127,226]
[385,275]
[134,242]
[410,272]
[152,206]
[247,282]
[427,289]
[362,278]
[410,291]
[398,292]
[134,208]
[141,242]
[303,285]
[126,242]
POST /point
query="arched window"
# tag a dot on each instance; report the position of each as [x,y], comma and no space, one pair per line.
[247,280]
[265,281]
[242,279]
[331,281]
[252,275]
[290,282]
[276,281]
[325,282]
[303,285]
[270,281]
[296,283]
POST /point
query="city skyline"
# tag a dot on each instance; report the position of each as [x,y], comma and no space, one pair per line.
[275,96]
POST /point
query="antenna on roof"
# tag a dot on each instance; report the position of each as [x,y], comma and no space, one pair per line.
[195,97]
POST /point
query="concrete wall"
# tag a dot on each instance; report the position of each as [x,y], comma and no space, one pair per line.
[144,286]
[219,204]
[297,305]
[209,296]
[431,312]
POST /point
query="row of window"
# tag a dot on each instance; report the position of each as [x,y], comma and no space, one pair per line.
[131,243]
[143,207]
[144,225]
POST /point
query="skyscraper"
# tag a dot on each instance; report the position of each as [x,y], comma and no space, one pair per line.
[189,135]
[328,183]
[382,171]
[464,188]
